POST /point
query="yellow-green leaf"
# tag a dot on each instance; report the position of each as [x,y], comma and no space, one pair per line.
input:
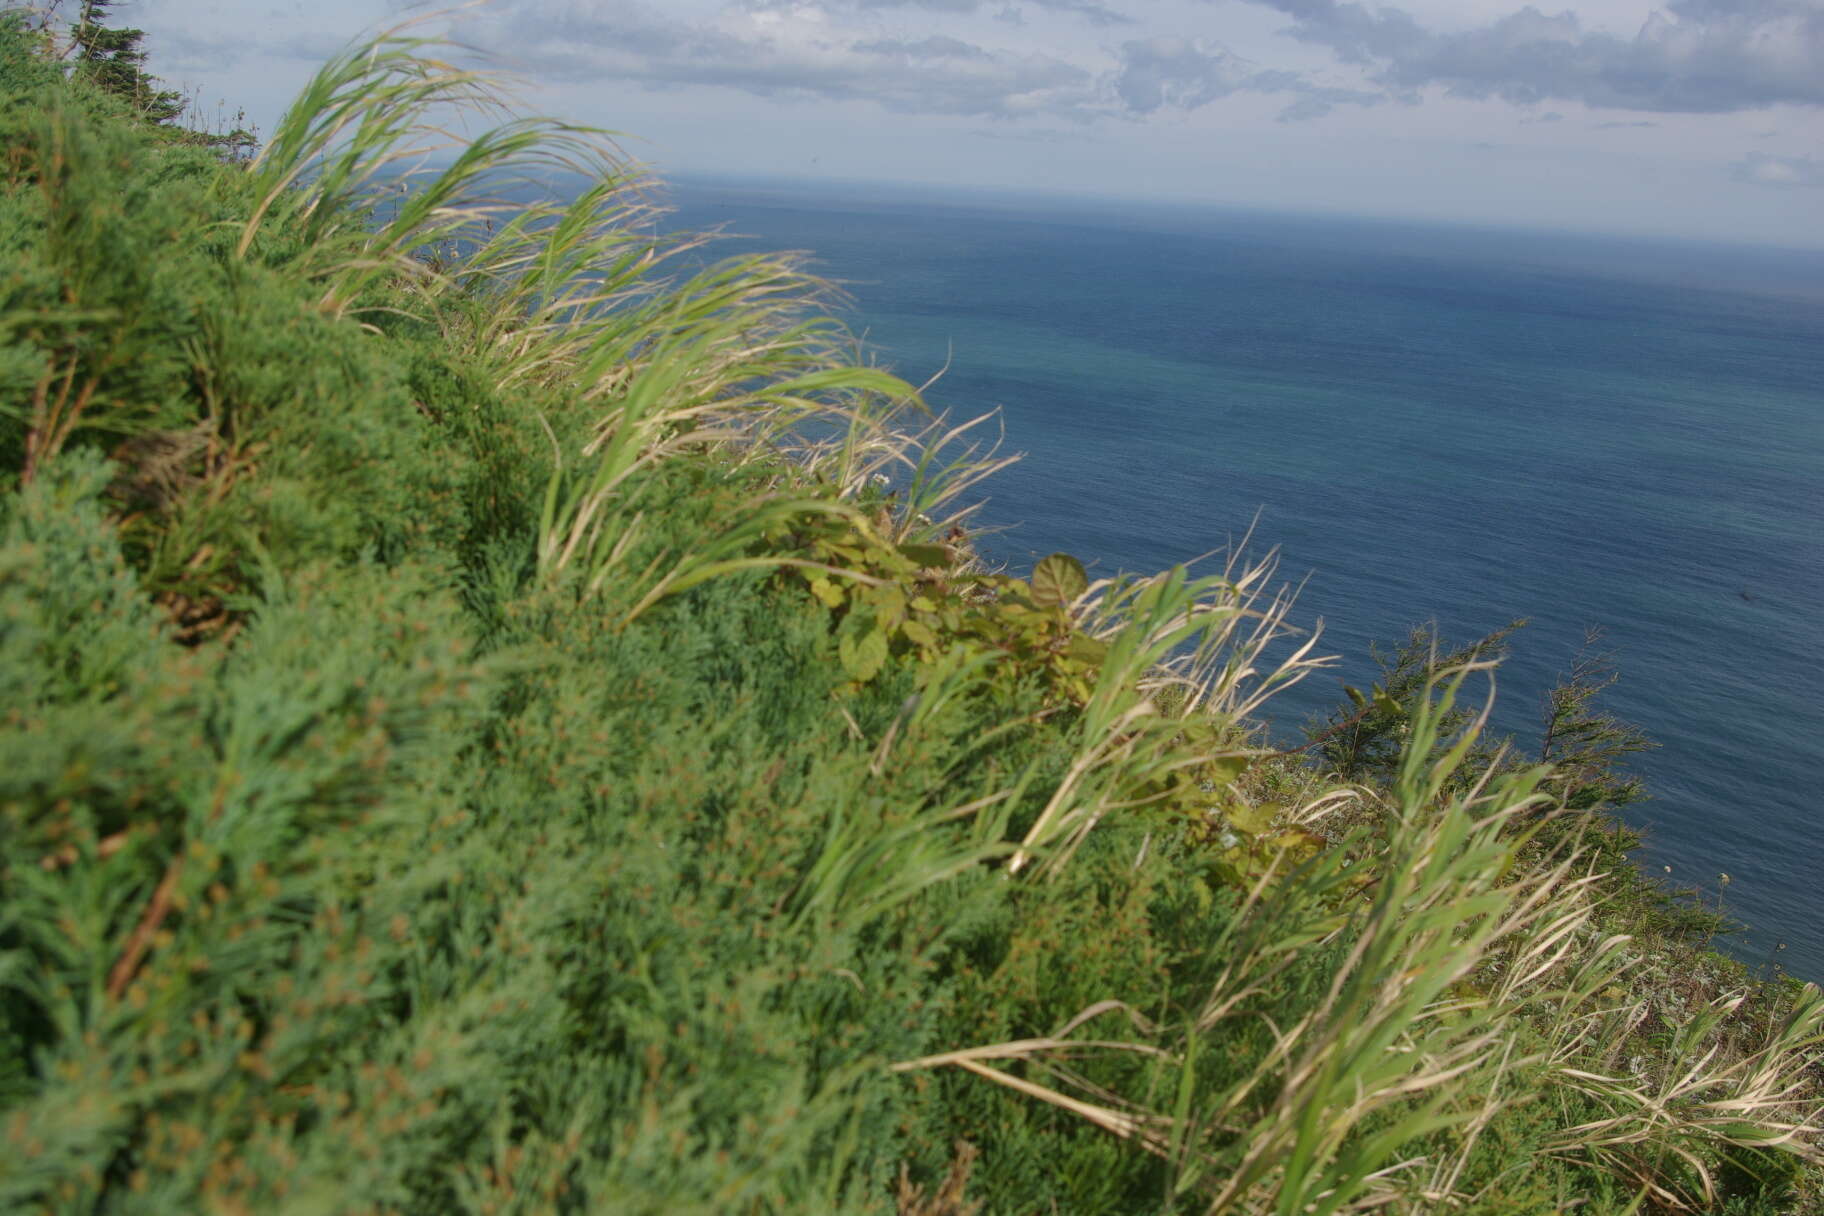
[927,556]
[920,633]
[1224,769]
[1253,819]
[862,656]
[1057,580]
[889,604]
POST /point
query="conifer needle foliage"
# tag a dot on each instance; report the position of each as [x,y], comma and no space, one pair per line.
[503,714]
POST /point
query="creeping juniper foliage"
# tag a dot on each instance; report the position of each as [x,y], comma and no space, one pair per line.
[503,714]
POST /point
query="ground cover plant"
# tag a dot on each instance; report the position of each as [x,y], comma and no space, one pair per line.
[503,715]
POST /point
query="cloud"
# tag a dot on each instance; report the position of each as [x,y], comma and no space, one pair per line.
[1179,72]
[1696,56]
[787,53]
[1095,14]
[1780,172]
[935,6]
[1040,135]
[1314,100]
[935,47]
[1089,10]
[197,47]
[1187,74]
[1305,109]
[827,49]
[188,49]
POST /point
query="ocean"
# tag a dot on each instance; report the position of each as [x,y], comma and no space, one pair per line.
[1429,424]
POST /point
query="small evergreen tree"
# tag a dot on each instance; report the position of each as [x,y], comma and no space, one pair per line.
[114,60]
[1365,738]
[1588,745]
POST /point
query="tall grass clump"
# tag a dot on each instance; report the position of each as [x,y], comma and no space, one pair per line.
[505,713]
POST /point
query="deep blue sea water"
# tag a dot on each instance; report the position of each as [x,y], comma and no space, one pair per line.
[1442,424]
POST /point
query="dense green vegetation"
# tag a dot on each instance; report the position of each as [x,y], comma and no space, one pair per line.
[502,715]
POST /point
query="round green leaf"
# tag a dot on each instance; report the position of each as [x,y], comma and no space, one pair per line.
[1057,580]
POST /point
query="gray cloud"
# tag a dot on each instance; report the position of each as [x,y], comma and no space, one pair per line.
[935,6]
[1698,56]
[1186,74]
[1095,14]
[1314,100]
[1779,172]
[188,49]
[1305,109]
[626,40]
[1089,10]
[1180,72]
[1039,136]
[766,51]
[198,49]
[935,47]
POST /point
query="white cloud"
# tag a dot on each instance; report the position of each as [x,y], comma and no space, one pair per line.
[1780,172]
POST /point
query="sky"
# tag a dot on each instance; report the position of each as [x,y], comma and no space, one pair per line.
[1685,118]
